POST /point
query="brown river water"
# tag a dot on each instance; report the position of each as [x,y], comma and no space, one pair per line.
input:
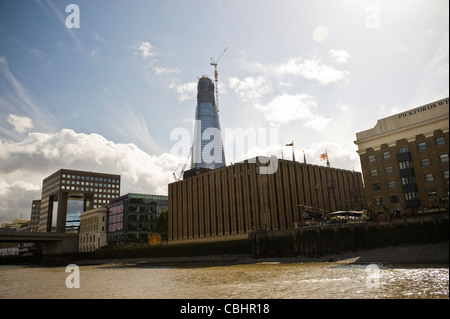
[267,280]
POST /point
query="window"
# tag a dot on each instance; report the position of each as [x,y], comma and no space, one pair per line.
[429,177]
[391,184]
[371,158]
[373,172]
[394,199]
[376,187]
[445,174]
[386,154]
[432,194]
[408,180]
[403,149]
[422,146]
[440,141]
[389,170]
[444,158]
[405,164]
[378,201]
[410,195]
[425,161]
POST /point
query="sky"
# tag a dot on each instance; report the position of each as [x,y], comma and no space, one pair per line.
[110,86]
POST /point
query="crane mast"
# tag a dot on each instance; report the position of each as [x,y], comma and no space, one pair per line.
[216,75]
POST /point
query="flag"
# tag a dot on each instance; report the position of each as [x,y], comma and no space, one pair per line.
[323,156]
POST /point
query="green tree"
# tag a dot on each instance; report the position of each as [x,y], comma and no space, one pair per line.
[163,223]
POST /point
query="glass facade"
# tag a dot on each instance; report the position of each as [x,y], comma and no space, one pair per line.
[208,149]
[133,217]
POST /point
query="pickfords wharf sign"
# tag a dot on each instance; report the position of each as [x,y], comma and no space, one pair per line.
[424,108]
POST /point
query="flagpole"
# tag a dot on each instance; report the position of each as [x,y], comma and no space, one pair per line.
[328,160]
[293,152]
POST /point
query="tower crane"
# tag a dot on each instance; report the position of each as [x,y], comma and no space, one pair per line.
[216,74]
[177,178]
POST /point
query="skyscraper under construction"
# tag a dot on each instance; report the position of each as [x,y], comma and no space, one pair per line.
[207,148]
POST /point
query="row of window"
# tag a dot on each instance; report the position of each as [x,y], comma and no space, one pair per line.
[408,164]
[90,184]
[432,194]
[421,147]
[91,189]
[409,180]
[91,178]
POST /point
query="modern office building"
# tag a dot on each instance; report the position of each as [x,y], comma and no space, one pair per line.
[404,160]
[68,193]
[92,230]
[207,148]
[35,215]
[133,217]
[237,199]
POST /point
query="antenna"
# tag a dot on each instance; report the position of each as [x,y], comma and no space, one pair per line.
[216,74]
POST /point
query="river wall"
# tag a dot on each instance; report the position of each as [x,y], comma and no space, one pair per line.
[336,238]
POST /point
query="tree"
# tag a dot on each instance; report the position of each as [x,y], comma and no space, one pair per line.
[162,223]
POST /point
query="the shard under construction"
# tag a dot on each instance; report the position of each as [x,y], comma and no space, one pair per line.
[207,148]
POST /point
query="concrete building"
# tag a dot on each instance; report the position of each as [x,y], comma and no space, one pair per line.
[237,199]
[35,215]
[404,160]
[92,234]
[207,149]
[133,217]
[68,193]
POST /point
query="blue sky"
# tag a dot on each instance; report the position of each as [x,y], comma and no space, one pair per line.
[107,95]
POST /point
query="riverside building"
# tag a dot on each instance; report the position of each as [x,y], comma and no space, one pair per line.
[237,199]
[133,217]
[404,160]
[68,193]
[92,230]
[35,215]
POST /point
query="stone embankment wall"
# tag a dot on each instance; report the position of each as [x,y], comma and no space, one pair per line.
[336,238]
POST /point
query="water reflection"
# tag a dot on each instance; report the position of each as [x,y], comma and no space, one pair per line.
[259,280]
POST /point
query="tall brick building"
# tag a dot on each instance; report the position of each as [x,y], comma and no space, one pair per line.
[404,160]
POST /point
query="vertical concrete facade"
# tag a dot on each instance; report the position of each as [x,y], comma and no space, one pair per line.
[237,199]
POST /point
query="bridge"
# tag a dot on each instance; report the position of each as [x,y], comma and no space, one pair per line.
[54,243]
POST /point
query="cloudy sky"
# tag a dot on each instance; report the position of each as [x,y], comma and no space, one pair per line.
[111,93]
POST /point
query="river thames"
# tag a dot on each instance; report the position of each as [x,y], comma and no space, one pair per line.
[264,280]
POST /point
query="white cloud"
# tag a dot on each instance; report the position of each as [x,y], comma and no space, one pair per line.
[24,164]
[186,91]
[21,124]
[145,48]
[340,56]
[159,70]
[312,70]
[97,36]
[250,89]
[285,108]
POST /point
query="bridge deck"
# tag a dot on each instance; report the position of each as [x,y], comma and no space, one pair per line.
[25,237]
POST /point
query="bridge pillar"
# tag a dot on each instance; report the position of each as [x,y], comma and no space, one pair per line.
[66,245]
